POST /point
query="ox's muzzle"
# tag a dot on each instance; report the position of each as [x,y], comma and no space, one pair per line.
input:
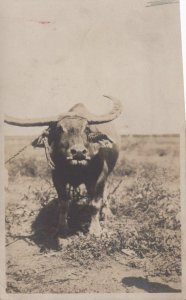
[78,155]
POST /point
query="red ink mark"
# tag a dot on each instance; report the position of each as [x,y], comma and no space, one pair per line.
[44,22]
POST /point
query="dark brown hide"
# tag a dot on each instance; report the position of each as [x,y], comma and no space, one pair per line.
[101,144]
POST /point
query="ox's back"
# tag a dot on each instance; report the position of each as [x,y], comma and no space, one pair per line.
[110,154]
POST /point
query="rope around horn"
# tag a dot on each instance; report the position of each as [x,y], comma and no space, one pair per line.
[47,152]
[43,138]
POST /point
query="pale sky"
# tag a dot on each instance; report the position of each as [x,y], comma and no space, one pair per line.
[59,52]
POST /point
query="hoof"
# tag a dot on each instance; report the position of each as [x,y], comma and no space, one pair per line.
[106,233]
[95,229]
[106,214]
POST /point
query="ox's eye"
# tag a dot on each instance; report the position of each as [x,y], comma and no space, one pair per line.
[64,144]
[87,130]
[60,129]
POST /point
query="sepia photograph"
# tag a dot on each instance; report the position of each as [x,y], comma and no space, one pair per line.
[93,137]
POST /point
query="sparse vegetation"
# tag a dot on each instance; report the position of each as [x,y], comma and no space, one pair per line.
[143,234]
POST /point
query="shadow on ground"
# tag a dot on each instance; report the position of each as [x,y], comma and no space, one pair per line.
[148,286]
[45,226]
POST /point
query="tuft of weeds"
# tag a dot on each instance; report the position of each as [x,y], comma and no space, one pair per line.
[28,167]
[154,215]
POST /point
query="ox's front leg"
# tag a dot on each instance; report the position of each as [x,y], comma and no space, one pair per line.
[95,191]
[63,204]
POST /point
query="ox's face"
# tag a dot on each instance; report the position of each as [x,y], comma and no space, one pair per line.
[75,141]
[72,140]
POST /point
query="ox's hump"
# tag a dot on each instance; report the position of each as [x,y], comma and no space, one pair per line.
[80,109]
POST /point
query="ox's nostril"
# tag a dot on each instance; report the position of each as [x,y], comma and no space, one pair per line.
[73,151]
[84,151]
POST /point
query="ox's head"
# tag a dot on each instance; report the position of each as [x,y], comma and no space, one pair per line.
[69,139]
[70,134]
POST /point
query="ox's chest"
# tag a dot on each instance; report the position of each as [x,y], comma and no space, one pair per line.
[76,175]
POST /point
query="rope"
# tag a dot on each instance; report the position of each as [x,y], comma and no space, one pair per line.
[19,152]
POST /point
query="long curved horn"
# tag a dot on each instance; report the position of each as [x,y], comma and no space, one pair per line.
[30,122]
[113,114]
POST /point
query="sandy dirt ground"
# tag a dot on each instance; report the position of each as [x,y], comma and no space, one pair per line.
[140,248]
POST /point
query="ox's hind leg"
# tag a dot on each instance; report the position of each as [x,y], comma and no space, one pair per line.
[63,205]
[95,191]
[95,228]
[106,213]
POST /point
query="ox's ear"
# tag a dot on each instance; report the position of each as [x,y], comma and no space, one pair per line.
[100,138]
[38,142]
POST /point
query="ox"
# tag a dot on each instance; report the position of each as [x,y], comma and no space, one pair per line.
[83,149]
